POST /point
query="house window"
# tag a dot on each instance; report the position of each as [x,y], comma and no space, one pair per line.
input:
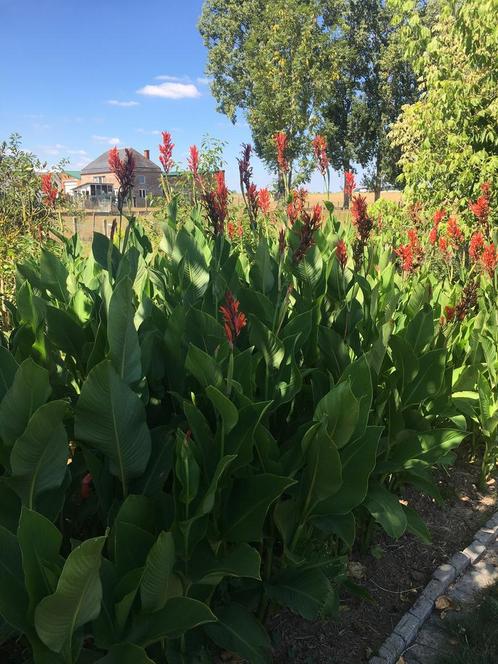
[140,179]
[142,193]
[98,178]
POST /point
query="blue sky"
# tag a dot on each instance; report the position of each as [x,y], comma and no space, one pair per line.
[81,76]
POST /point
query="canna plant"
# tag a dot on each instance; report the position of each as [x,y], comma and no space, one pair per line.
[202,432]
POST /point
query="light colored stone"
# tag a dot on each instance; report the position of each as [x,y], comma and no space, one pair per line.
[474,551]
[460,562]
[486,535]
[432,590]
[408,627]
[493,522]
[445,573]
[422,608]
[392,648]
[376,660]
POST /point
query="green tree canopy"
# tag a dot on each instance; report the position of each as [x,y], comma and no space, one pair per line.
[449,137]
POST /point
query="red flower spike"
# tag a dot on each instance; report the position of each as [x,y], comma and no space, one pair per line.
[264,201]
[439,215]
[282,243]
[489,258]
[281,143]
[233,320]
[341,254]
[49,190]
[320,152]
[124,170]
[454,232]
[349,183]
[85,486]
[481,207]
[476,246]
[166,152]
[193,161]
[433,235]
[449,312]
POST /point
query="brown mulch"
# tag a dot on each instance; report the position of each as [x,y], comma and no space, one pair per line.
[393,577]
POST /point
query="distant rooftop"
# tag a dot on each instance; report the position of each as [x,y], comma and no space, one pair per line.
[73,174]
[100,165]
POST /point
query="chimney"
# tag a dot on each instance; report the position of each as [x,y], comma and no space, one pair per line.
[147,154]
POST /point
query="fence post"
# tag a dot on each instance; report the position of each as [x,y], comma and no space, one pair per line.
[75,225]
[104,226]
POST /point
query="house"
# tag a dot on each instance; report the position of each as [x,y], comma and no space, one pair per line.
[98,185]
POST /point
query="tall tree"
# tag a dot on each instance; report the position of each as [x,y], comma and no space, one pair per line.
[449,137]
[373,84]
[274,62]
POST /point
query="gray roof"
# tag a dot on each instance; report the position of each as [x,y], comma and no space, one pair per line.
[100,164]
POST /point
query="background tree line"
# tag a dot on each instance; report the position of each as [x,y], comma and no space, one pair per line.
[405,88]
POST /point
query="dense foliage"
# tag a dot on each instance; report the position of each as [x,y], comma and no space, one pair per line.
[191,436]
[448,138]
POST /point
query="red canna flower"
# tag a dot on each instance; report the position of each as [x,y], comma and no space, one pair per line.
[296,207]
[341,254]
[449,312]
[216,204]
[49,190]
[310,224]
[439,215]
[233,320]
[264,201]
[489,258]
[481,207]
[454,232]
[193,161]
[124,170]
[231,230]
[282,144]
[349,183]
[405,252]
[443,245]
[86,486]
[476,246]
[166,152]
[320,152]
[433,235]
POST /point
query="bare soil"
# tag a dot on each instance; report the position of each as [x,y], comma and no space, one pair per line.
[394,576]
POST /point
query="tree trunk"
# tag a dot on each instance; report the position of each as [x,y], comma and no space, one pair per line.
[378,177]
[345,203]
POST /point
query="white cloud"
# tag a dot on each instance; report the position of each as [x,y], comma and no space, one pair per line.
[149,132]
[203,81]
[167,77]
[106,139]
[123,104]
[171,90]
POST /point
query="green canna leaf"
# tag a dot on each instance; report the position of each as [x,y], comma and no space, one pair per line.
[157,572]
[14,600]
[237,630]
[8,368]
[124,348]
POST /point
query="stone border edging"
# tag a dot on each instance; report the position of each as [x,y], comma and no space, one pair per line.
[406,630]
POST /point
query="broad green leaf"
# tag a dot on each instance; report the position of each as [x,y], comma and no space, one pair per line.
[14,599]
[65,333]
[386,509]
[360,380]
[261,271]
[339,410]
[420,330]
[180,615]
[416,526]
[404,360]
[304,591]
[203,367]
[225,407]
[342,525]
[248,504]
[357,461]
[187,469]
[323,473]
[39,456]
[238,631]
[207,502]
[8,368]
[157,571]
[101,246]
[270,346]
[76,600]
[243,561]
[429,378]
[29,390]
[125,653]
[110,417]
[122,336]
[40,543]
[54,275]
